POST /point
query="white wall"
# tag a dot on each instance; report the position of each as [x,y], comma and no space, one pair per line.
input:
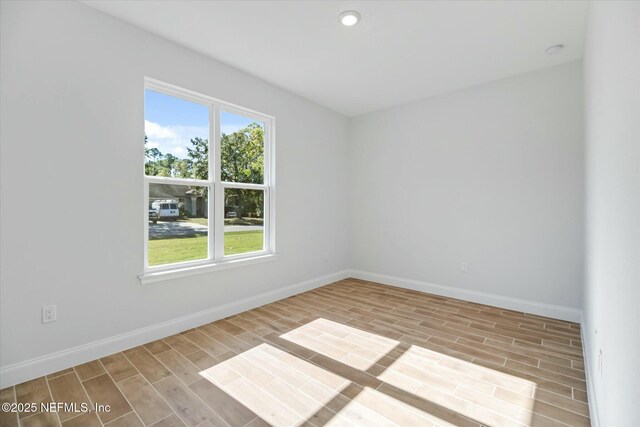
[71,176]
[491,176]
[612,285]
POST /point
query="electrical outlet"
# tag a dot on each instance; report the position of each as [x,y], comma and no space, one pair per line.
[49,314]
[464,267]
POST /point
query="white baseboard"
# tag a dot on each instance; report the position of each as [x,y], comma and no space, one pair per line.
[43,365]
[47,364]
[532,307]
[591,393]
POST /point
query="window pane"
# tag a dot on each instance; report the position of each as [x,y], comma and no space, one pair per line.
[176,140]
[178,230]
[243,221]
[241,149]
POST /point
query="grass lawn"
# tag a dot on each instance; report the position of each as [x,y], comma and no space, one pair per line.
[168,251]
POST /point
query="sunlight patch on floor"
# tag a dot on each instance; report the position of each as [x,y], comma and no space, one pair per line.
[420,386]
[282,389]
[486,395]
[285,390]
[388,411]
[351,346]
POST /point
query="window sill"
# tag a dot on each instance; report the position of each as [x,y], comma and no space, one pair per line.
[159,276]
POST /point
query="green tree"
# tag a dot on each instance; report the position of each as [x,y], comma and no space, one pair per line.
[153,156]
[199,155]
[167,165]
[183,168]
[242,160]
[242,155]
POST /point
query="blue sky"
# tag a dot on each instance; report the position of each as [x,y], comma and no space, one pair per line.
[171,122]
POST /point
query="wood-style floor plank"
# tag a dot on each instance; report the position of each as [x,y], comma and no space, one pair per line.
[103,391]
[118,366]
[184,401]
[8,418]
[128,420]
[89,370]
[347,354]
[41,419]
[89,419]
[149,366]
[68,389]
[148,404]
[34,391]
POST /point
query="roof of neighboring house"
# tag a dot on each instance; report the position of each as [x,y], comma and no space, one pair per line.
[168,191]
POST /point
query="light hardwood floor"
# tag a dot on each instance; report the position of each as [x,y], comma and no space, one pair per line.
[353,353]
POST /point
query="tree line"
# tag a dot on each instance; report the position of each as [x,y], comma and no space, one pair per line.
[241,160]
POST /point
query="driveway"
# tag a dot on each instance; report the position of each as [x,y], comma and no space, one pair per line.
[190,229]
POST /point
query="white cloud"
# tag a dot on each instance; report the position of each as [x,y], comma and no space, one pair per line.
[155,131]
[172,139]
[179,151]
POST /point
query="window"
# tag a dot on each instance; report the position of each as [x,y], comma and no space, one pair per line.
[208,183]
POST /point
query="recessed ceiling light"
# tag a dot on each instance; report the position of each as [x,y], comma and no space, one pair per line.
[552,50]
[349,18]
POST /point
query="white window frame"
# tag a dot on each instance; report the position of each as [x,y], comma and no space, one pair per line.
[215,258]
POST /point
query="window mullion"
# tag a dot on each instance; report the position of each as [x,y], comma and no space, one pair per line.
[244,185]
[176,181]
[211,186]
[266,236]
[146,222]
[218,202]
[269,197]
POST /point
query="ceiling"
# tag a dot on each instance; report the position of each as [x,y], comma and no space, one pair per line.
[401,51]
